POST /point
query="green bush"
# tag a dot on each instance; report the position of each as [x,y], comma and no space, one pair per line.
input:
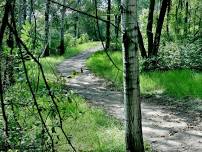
[175,56]
[84,38]
[70,40]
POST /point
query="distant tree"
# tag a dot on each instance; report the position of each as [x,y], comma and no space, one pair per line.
[62,47]
[134,139]
[46,43]
[108,24]
[153,39]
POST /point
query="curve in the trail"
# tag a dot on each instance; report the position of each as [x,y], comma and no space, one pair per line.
[166,131]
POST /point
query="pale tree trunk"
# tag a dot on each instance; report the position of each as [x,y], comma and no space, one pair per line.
[108,25]
[62,47]
[134,139]
[46,43]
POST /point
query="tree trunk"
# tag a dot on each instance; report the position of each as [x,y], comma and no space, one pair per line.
[134,139]
[159,26]
[2,103]
[24,10]
[30,11]
[20,15]
[46,43]
[116,29]
[149,27]
[62,47]
[108,25]
[76,30]
[186,18]
[168,20]
[141,44]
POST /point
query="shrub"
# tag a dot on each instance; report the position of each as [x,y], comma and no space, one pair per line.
[84,38]
[70,40]
[175,56]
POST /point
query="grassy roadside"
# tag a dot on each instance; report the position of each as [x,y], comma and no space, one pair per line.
[178,84]
[89,129]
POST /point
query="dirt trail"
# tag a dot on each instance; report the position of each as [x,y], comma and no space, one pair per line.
[163,128]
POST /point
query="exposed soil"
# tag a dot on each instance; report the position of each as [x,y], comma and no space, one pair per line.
[167,128]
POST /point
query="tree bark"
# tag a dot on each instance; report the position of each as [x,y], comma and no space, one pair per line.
[108,25]
[24,10]
[30,11]
[20,15]
[141,44]
[3,106]
[186,18]
[134,139]
[62,47]
[46,43]
[168,20]
[159,26]
[149,27]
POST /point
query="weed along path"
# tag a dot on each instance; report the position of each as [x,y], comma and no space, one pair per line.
[165,129]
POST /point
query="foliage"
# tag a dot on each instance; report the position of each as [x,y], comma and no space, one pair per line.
[28,38]
[75,112]
[84,38]
[71,41]
[176,56]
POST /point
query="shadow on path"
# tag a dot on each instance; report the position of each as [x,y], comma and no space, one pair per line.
[166,131]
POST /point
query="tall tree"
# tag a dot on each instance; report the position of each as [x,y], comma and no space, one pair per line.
[76,24]
[108,24]
[62,47]
[186,17]
[20,14]
[24,10]
[159,26]
[46,43]
[150,26]
[134,139]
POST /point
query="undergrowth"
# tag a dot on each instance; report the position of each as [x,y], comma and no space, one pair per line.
[89,129]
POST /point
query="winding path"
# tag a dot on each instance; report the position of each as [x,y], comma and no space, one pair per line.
[163,128]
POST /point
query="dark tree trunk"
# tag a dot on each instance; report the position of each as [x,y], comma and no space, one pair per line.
[108,25]
[186,18]
[46,44]
[149,27]
[30,11]
[24,10]
[62,47]
[116,29]
[159,26]
[168,20]
[76,29]
[20,15]
[3,106]
[141,44]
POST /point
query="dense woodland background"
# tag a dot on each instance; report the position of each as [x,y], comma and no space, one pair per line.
[39,113]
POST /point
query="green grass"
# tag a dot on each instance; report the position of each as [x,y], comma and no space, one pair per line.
[90,129]
[176,83]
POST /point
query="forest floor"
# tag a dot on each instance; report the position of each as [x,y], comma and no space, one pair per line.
[167,128]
